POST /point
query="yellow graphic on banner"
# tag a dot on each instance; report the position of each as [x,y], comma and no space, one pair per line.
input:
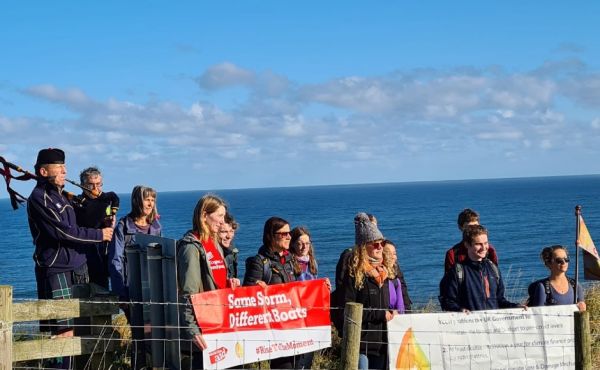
[410,355]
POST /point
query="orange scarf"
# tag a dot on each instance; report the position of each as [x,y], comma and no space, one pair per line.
[377,272]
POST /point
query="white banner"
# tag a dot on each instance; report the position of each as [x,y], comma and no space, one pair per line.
[511,339]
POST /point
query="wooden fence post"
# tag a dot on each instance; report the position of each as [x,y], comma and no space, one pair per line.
[351,339]
[583,351]
[6,317]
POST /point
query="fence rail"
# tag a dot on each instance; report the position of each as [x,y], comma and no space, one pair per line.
[100,323]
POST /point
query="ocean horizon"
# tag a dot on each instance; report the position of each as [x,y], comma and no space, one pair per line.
[522,214]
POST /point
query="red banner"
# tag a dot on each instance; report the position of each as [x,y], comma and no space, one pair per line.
[249,324]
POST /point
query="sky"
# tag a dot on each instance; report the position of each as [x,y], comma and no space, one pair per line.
[194,95]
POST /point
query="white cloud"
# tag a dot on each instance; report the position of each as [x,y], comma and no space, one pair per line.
[72,97]
[225,75]
[507,135]
[388,119]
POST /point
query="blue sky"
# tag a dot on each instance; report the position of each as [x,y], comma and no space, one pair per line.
[191,95]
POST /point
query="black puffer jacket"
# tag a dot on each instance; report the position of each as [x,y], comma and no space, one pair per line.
[373,337]
[269,267]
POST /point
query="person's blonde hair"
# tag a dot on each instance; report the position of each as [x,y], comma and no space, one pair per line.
[208,204]
[356,267]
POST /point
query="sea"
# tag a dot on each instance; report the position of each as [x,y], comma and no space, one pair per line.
[523,215]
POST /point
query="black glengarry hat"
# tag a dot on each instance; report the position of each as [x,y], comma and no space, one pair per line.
[50,156]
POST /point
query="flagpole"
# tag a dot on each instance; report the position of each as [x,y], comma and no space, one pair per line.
[578,216]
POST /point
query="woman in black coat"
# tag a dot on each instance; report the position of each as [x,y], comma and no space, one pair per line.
[273,265]
[366,282]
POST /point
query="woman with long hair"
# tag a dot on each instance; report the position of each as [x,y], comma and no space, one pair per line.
[273,265]
[303,254]
[201,267]
[557,288]
[142,219]
[399,299]
[305,268]
[366,282]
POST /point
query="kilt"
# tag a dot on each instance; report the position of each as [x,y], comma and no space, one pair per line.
[58,286]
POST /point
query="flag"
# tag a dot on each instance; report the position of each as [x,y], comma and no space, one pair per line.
[591,260]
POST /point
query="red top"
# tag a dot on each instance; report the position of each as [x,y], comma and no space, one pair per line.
[216,263]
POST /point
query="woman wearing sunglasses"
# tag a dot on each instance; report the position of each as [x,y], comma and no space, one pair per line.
[366,282]
[273,265]
[558,288]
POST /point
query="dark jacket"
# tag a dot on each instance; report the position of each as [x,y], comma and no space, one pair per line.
[59,243]
[92,212]
[231,261]
[458,253]
[373,336]
[193,276]
[278,267]
[124,236]
[471,292]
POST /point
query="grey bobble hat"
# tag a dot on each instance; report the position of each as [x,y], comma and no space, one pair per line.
[365,230]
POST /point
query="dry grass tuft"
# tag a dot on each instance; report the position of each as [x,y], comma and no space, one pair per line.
[592,300]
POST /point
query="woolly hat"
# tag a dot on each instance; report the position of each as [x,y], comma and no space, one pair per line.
[50,156]
[365,230]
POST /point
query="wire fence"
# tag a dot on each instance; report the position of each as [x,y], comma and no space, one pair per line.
[113,341]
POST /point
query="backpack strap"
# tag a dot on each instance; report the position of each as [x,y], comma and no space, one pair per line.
[126,235]
[548,290]
[460,273]
[495,269]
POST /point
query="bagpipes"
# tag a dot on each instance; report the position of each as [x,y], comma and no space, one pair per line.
[15,198]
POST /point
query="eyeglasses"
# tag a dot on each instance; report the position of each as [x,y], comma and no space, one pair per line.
[376,244]
[561,261]
[94,186]
[283,234]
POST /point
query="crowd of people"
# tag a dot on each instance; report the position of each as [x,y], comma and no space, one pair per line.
[78,240]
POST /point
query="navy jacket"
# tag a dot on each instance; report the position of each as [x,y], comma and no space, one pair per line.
[123,237]
[59,242]
[471,292]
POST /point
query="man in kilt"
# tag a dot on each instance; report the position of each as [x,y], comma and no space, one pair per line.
[60,244]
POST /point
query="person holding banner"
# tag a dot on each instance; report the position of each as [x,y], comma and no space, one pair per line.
[476,284]
[273,265]
[558,288]
[366,282]
[201,267]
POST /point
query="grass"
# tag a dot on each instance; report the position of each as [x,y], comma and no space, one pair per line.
[592,300]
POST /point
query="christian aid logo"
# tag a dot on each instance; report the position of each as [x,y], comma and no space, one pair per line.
[217,355]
